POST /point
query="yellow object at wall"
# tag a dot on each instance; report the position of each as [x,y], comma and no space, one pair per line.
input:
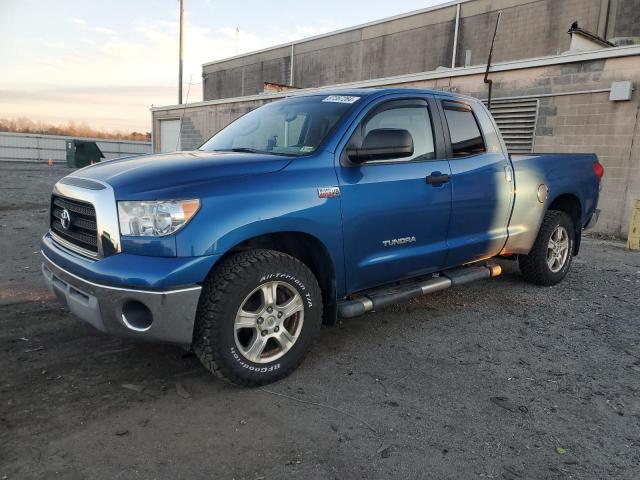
[633,241]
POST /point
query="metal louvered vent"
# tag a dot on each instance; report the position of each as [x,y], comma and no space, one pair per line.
[516,120]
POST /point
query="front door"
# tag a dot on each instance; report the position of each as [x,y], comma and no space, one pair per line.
[394,221]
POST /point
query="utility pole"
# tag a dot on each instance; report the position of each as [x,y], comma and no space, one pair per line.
[180,54]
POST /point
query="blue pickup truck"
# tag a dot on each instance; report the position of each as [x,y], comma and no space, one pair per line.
[307,209]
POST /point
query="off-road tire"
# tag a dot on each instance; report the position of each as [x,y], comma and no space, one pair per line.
[224,291]
[534,267]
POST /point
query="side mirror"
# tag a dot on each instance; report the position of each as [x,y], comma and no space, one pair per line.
[383,144]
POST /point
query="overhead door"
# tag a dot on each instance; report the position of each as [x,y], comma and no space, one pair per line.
[169,135]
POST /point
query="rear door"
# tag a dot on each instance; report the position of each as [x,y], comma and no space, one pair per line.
[481,183]
[395,222]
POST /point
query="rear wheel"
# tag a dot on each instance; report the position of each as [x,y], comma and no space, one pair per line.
[550,258]
[258,315]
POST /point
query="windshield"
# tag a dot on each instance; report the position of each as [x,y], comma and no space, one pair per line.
[295,126]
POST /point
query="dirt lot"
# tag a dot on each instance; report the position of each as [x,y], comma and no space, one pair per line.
[499,379]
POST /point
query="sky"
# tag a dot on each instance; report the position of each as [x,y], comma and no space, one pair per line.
[107,62]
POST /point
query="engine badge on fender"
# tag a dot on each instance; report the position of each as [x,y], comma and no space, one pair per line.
[328,192]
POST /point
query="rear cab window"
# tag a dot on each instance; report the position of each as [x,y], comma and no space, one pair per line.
[464,131]
[492,137]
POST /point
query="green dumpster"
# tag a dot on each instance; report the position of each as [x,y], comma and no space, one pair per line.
[81,153]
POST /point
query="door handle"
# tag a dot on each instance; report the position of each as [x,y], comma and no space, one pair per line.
[437,178]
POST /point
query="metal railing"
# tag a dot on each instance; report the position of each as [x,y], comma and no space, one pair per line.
[30,147]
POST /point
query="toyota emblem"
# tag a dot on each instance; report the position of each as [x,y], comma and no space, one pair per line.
[65,219]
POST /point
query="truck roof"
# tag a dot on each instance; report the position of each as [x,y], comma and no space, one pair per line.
[375,92]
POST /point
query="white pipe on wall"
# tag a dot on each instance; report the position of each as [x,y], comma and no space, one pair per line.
[455,37]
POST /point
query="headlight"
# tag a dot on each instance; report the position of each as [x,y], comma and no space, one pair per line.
[155,218]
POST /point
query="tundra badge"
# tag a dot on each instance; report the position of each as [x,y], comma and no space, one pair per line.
[398,241]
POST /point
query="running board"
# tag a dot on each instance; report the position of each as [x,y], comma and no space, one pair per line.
[449,278]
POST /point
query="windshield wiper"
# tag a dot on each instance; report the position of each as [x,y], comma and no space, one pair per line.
[245,149]
[240,149]
[253,150]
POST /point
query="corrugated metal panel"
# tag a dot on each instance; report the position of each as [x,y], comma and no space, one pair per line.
[28,147]
[516,120]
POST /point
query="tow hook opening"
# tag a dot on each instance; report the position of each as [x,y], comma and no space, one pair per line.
[136,316]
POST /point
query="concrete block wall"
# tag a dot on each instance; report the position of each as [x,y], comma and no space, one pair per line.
[593,123]
[190,135]
[412,44]
[422,42]
[624,21]
[246,76]
[527,30]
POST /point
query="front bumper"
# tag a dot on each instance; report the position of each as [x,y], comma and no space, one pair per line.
[163,316]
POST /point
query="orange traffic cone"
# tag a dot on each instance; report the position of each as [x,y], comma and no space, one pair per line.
[50,163]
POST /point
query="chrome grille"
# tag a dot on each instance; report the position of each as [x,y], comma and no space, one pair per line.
[82,229]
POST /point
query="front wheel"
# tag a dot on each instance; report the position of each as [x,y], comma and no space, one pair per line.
[549,260]
[258,315]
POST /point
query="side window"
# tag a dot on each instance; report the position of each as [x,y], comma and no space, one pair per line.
[413,118]
[466,138]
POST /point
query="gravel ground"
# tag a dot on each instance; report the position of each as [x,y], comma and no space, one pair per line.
[498,379]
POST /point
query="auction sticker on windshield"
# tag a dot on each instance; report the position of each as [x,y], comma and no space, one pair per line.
[341,99]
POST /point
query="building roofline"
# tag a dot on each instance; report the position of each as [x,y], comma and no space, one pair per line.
[342,30]
[569,57]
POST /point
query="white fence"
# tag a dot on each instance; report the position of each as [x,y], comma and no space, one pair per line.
[29,147]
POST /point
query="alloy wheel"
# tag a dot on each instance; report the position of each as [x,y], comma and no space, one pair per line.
[268,322]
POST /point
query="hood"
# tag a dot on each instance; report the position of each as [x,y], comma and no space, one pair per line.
[149,173]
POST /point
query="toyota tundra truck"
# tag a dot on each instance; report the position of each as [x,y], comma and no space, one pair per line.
[314,207]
